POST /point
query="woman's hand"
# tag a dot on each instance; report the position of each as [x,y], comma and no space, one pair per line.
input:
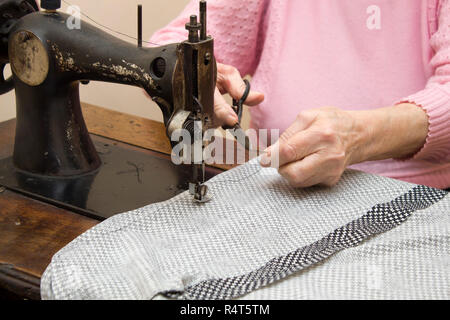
[321,143]
[230,81]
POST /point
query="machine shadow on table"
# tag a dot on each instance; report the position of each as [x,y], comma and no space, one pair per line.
[129,178]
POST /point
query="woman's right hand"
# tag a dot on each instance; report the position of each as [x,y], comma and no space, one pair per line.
[229,81]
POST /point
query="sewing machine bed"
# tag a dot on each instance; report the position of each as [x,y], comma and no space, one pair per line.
[129,178]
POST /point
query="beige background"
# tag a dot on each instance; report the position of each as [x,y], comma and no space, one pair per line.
[119,15]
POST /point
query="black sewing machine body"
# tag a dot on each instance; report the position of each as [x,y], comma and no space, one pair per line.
[54,156]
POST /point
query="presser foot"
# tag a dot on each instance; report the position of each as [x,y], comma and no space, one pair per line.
[200,192]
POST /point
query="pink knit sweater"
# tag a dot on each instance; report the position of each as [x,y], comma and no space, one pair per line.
[350,54]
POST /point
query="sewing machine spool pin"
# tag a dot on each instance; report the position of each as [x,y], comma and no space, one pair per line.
[139,18]
[203,20]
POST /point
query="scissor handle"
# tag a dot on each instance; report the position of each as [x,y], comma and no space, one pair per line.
[238,105]
[236,130]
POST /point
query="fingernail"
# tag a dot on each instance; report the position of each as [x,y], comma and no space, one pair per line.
[232,118]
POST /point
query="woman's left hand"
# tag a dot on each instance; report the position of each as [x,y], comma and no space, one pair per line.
[321,143]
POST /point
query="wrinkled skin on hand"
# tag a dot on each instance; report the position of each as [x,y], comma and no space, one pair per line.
[316,148]
[321,143]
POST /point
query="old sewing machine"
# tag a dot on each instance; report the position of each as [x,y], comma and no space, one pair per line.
[54,158]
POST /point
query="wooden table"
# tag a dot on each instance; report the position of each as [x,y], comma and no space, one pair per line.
[31,232]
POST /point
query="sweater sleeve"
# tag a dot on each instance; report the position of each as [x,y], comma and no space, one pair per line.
[234,25]
[435,98]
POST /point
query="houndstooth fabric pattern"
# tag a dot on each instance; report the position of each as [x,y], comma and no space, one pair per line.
[260,238]
[380,219]
[412,261]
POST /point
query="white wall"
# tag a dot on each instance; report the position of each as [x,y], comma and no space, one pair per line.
[119,15]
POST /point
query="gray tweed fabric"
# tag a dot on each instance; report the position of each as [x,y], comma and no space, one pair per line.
[367,238]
